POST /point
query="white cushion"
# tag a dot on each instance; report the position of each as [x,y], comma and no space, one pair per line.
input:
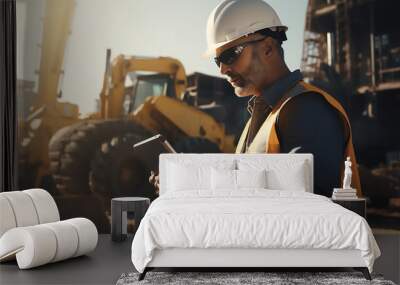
[40,244]
[66,237]
[223,179]
[251,178]
[290,179]
[23,208]
[26,208]
[229,161]
[7,218]
[189,176]
[191,162]
[34,244]
[184,177]
[45,205]
[87,233]
[227,179]
[282,174]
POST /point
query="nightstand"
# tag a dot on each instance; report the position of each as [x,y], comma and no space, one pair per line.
[119,214]
[358,205]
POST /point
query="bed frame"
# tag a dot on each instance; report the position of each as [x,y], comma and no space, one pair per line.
[242,259]
[246,258]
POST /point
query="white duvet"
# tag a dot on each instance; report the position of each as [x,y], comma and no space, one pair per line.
[252,218]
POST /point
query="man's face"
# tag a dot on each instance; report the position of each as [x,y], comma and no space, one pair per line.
[246,72]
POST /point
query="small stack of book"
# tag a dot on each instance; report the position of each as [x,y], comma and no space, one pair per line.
[343,194]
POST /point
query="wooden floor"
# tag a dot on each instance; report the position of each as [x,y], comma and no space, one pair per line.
[110,260]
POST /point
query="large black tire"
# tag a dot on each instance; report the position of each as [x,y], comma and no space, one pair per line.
[116,172]
[72,149]
[195,145]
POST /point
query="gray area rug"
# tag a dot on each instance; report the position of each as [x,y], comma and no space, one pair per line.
[229,278]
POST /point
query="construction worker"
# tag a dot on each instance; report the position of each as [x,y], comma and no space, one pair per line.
[245,37]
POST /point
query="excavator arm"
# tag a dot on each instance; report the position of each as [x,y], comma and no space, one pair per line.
[173,118]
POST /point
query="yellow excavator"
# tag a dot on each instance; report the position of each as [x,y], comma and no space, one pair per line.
[158,113]
[141,97]
[165,76]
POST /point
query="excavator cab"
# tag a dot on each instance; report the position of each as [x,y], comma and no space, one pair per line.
[145,86]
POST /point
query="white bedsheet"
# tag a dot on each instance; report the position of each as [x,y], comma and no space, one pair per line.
[252,218]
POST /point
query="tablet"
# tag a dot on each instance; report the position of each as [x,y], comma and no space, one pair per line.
[148,151]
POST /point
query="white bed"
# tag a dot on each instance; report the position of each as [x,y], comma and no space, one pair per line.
[199,226]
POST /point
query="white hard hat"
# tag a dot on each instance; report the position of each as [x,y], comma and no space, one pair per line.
[233,19]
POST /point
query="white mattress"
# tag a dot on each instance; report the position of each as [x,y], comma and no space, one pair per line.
[256,218]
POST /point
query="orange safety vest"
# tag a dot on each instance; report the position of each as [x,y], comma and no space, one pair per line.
[267,132]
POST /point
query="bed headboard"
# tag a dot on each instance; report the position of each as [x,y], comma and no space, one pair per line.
[212,158]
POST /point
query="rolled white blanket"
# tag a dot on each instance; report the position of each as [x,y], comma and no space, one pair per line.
[40,244]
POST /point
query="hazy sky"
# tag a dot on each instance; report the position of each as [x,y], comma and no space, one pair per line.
[173,28]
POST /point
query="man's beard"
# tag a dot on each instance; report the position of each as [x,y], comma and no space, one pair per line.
[244,85]
[244,91]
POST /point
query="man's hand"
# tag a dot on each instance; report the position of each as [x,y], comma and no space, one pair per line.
[154,180]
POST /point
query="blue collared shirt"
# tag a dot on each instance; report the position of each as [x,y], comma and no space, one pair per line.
[306,122]
[272,94]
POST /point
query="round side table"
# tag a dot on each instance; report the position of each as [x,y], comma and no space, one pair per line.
[119,214]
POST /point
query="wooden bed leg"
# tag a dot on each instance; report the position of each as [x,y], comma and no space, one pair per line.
[143,274]
[364,271]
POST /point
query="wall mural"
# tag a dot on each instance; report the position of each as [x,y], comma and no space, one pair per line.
[85,158]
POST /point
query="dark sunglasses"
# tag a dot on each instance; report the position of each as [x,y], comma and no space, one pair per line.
[230,55]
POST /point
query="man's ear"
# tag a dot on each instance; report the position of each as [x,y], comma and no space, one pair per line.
[268,47]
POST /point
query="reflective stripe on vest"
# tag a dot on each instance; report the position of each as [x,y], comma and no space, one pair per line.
[267,132]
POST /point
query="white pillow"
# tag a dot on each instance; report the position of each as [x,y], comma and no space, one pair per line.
[223,179]
[193,175]
[281,174]
[227,179]
[251,178]
[182,177]
[292,179]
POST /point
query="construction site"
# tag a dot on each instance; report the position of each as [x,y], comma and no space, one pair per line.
[351,49]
